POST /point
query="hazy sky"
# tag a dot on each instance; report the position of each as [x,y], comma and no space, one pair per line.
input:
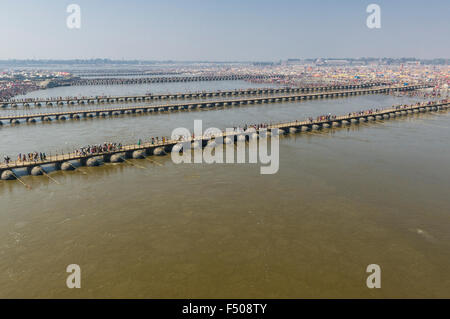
[223,30]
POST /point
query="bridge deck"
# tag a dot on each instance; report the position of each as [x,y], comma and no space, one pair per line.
[166,79]
[296,124]
[182,95]
[211,103]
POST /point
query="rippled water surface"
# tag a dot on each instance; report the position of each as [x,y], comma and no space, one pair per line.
[342,199]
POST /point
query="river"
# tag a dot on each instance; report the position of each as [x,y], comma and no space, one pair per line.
[342,199]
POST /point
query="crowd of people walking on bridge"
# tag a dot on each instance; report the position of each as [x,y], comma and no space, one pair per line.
[28,157]
[327,117]
[100,148]
[31,157]
[156,140]
[254,126]
[436,92]
[57,98]
[82,151]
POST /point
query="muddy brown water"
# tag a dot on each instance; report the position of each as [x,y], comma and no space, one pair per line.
[342,199]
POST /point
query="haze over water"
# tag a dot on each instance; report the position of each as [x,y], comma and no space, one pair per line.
[342,199]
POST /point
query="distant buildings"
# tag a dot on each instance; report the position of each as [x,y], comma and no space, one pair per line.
[17,82]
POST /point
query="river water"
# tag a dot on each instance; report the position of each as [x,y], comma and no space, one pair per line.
[342,199]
